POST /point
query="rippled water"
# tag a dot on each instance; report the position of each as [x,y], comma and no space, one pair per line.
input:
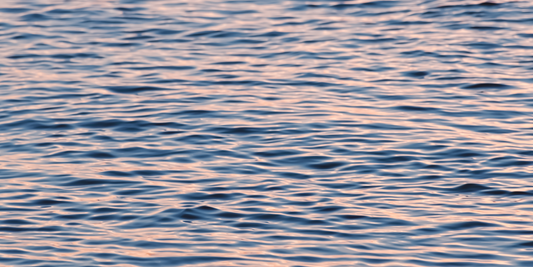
[266,133]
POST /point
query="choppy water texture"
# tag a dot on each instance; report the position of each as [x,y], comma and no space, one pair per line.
[266,133]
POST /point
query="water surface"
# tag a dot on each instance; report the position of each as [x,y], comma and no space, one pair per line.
[266,133]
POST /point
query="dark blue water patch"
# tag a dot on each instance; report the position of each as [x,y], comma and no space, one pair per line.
[128,126]
[327,165]
[239,130]
[468,225]
[480,86]
[164,68]
[497,114]
[117,174]
[228,34]
[30,229]
[16,222]
[36,125]
[177,40]
[277,153]
[483,128]
[34,17]
[394,159]
[238,169]
[14,10]
[294,175]
[139,37]
[481,4]
[507,161]
[216,196]
[417,108]
[469,188]
[486,28]
[157,31]
[181,261]
[60,11]
[303,7]
[62,55]
[150,172]
[121,44]
[89,182]
[416,74]
[271,34]
[526,35]
[380,4]
[344,6]
[134,89]
[202,33]
[30,37]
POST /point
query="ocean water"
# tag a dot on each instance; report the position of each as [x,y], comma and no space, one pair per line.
[266,133]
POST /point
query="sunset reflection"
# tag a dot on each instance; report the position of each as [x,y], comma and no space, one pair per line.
[283,133]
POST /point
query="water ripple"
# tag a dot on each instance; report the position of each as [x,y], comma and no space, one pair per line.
[281,133]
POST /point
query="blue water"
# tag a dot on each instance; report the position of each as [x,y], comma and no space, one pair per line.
[266,133]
